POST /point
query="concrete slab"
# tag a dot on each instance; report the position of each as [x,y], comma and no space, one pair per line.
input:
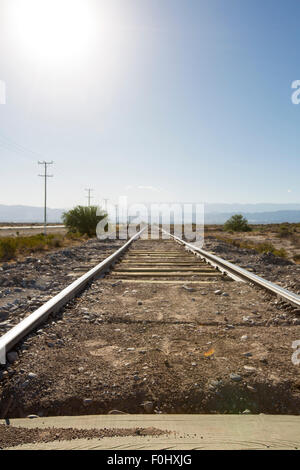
[189,432]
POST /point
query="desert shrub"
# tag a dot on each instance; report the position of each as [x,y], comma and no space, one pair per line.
[57,243]
[269,248]
[8,248]
[284,231]
[237,223]
[83,220]
[296,240]
[11,247]
[265,247]
[74,236]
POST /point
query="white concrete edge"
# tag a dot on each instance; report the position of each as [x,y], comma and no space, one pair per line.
[9,339]
[29,227]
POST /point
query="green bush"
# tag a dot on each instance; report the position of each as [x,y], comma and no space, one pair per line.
[83,220]
[284,231]
[8,248]
[11,247]
[237,223]
[264,247]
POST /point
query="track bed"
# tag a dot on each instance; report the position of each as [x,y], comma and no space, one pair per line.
[164,342]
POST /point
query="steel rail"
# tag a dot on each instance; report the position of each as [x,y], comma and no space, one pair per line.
[238,273]
[13,336]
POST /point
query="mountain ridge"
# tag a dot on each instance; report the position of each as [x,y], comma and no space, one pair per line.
[213,213]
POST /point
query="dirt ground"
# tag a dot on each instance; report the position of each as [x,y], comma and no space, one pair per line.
[217,347]
[7,230]
[265,234]
[28,283]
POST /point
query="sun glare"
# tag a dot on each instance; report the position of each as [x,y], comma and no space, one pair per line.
[53,30]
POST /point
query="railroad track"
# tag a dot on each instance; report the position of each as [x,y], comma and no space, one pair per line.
[165,262]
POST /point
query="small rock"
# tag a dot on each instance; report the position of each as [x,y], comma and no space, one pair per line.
[117,412]
[86,401]
[246,319]
[189,289]
[250,368]
[216,383]
[32,375]
[148,406]
[264,360]
[32,416]
[218,292]
[235,377]
[12,356]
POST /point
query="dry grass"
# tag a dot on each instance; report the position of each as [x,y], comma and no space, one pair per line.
[13,247]
[264,247]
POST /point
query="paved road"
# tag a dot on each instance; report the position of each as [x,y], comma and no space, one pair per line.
[9,230]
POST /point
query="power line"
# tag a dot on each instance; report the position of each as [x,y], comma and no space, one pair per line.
[89,197]
[14,146]
[9,148]
[45,176]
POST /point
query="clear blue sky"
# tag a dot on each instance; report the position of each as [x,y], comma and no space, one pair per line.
[161,100]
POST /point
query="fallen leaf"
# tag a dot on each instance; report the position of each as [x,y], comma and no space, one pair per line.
[209,353]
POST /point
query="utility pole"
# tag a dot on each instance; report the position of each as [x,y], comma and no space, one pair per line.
[117,221]
[45,176]
[89,190]
[105,202]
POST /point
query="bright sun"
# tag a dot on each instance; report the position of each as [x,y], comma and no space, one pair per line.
[53,30]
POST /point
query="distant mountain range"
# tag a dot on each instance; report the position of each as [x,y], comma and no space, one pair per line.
[28,214]
[261,207]
[214,213]
[275,217]
[254,213]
